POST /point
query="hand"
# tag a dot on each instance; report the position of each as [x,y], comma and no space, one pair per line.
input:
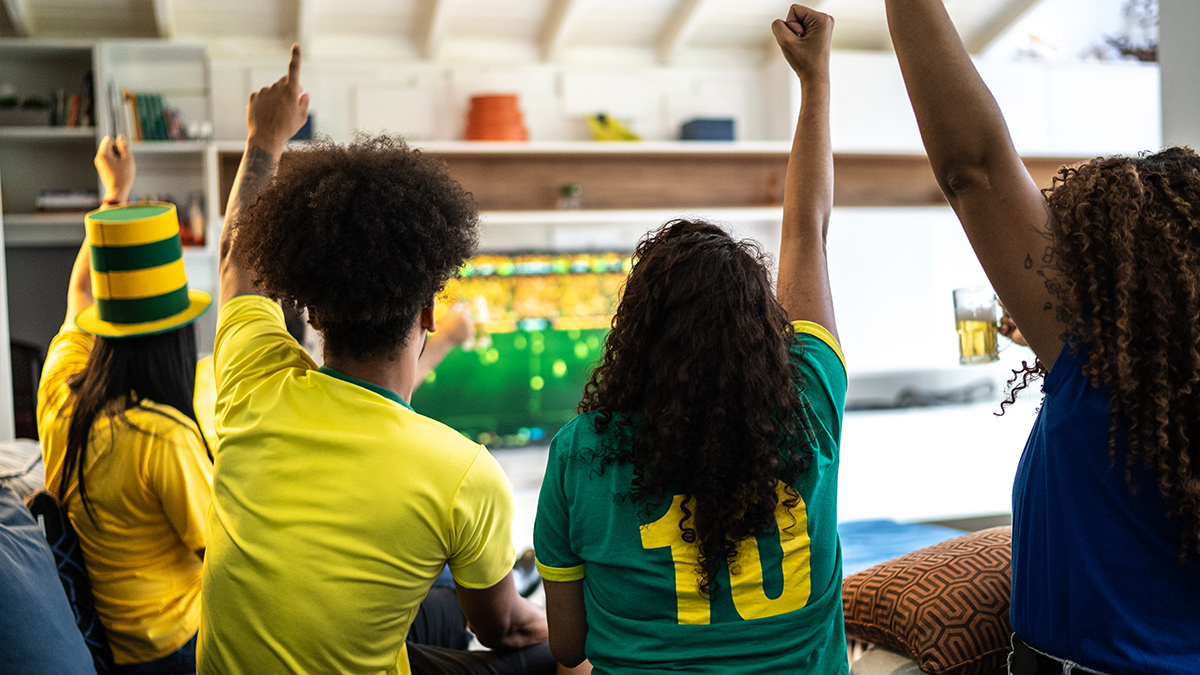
[275,113]
[1008,328]
[114,162]
[457,325]
[805,37]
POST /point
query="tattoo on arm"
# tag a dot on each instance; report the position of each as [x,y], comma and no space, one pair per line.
[1028,261]
[254,173]
[257,168]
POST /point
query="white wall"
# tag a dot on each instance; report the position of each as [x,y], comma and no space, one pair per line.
[1059,30]
[1180,58]
[1056,109]
[429,102]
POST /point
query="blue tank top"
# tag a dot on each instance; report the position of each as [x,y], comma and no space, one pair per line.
[1095,572]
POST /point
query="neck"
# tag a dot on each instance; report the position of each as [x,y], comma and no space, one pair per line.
[396,371]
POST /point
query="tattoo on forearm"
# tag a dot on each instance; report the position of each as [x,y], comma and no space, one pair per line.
[1028,261]
[258,167]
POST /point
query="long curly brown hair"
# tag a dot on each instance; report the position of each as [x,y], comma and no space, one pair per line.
[363,235]
[696,386]
[1126,234]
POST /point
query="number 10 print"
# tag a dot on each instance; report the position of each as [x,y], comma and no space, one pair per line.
[749,595]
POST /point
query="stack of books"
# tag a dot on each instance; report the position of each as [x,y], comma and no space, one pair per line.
[145,117]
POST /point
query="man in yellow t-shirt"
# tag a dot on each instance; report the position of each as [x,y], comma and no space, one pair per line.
[335,505]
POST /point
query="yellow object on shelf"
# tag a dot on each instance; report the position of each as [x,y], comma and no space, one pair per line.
[605,128]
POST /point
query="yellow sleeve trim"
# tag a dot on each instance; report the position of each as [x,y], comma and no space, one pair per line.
[821,333]
[560,573]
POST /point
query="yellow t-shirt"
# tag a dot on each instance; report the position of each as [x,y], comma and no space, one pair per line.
[335,507]
[206,399]
[149,482]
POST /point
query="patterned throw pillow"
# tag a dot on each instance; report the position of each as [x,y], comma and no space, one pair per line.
[945,606]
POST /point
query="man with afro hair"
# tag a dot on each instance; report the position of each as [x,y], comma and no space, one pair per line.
[335,504]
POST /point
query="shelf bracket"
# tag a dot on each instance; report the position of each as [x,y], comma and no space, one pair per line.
[679,28]
[435,29]
[18,16]
[304,23]
[1001,20]
[164,18]
[560,19]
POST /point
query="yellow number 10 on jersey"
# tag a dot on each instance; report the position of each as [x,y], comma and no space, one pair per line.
[749,597]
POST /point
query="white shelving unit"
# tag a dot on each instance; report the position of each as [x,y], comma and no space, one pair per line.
[40,246]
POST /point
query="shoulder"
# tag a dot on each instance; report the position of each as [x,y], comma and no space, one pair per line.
[578,437]
[249,307]
[164,422]
[818,346]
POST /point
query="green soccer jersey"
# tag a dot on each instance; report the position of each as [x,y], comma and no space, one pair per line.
[779,612]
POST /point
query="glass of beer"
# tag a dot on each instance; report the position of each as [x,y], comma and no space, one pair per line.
[977,318]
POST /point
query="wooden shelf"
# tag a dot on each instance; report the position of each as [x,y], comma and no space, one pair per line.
[47,133]
[677,176]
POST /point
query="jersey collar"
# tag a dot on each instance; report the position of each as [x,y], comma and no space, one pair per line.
[382,391]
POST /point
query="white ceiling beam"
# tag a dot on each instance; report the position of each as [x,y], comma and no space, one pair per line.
[1004,17]
[435,29]
[18,16]
[164,18]
[678,28]
[560,19]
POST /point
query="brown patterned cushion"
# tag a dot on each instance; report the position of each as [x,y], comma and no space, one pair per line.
[945,606]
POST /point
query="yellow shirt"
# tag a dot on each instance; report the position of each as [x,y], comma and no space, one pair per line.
[206,399]
[335,507]
[149,482]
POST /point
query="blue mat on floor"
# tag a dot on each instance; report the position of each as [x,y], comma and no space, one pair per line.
[866,543]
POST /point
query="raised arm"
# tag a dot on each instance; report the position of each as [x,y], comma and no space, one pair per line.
[803,286]
[273,115]
[116,168]
[977,167]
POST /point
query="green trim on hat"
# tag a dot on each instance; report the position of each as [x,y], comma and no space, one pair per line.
[140,257]
[142,310]
[88,322]
[127,213]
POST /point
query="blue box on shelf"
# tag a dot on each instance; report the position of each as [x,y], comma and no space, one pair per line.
[710,129]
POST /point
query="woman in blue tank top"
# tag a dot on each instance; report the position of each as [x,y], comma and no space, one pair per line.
[1102,273]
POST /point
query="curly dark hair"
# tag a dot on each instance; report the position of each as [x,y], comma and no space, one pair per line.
[1126,233]
[362,235]
[696,387]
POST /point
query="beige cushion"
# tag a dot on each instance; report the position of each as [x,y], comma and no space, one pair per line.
[944,606]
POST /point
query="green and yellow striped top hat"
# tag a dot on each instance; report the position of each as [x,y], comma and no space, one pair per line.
[138,278]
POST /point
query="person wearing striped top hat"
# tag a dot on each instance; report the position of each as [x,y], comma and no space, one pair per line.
[120,441]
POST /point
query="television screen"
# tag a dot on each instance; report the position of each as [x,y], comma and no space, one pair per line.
[540,321]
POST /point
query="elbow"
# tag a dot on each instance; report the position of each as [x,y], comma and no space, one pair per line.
[959,178]
[568,655]
[568,650]
[502,635]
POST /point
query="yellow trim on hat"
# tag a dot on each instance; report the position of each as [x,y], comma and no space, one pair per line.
[89,322]
[132,232]
[145,283]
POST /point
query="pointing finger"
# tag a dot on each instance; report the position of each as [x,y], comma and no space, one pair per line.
[293,74]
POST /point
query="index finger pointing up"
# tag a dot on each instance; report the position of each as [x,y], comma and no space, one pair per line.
[293,74]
